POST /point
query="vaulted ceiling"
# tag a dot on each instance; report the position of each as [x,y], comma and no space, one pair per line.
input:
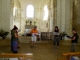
[35,3]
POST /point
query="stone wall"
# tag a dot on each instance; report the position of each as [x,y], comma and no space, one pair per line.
[76,15]
[60,14]
[38,13]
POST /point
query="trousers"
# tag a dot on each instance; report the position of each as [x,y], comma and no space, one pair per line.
[56,41]
[73,47]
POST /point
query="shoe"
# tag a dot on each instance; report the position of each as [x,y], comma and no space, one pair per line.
[15,51]
[18,47]
[31,46]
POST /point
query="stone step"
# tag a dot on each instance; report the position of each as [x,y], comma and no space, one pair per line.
[25,39]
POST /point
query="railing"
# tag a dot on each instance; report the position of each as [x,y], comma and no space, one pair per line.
[69,55]
[10,55]
[46,35]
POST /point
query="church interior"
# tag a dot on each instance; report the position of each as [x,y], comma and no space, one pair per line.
[45,14]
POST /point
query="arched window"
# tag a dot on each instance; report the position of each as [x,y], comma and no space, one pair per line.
[45,13]
[30,11]
[14,11]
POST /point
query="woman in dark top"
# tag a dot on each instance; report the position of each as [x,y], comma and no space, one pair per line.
[14,40]
[17,34]
[56,37]
[74,40]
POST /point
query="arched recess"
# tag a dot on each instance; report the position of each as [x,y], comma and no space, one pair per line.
[30,11]
[45,13]
[46,22]
[17,14]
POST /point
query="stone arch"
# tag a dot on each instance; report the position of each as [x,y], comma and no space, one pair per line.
[17,4]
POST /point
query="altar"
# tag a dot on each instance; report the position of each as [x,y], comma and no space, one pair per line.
[29,26]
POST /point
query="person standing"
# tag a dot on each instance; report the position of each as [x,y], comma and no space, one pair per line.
[17,34]
[34,33]
[74,40]
[14,40]
[56,37]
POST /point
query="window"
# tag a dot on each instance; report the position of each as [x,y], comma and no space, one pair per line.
[14,11]
[30,11]
[45,13]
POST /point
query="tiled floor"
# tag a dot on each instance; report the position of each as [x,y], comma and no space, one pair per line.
[42,51]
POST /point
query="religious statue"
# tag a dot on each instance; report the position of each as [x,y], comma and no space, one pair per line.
[34,22]
[30,22]
[27,21]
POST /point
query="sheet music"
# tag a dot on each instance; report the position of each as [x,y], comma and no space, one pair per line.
[19,30]
[34,34]
[56,33]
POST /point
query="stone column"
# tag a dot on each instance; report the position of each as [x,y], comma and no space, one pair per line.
[5,15]
[23,19]
[5,12]
[54,13]
[51,24]
[0,14]
[63,13]
[11,15]
[51,16]
[68,17]
[69,12]
[76,15]
[59,12]
[20,18]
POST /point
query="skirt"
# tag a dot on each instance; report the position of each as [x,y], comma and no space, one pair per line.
[14,45]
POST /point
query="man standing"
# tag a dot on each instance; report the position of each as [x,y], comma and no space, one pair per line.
[74,40]
[56,37]
[34,33]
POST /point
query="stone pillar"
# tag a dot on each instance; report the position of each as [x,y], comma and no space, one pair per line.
[63,13]
[68,16]
[5,15]
[76,15]
[50,20]
[0,14]
[51,24]
[54,13]
[50,17]
[23,19]
[5,12]
[20,18]
[11,15]
[59,12]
